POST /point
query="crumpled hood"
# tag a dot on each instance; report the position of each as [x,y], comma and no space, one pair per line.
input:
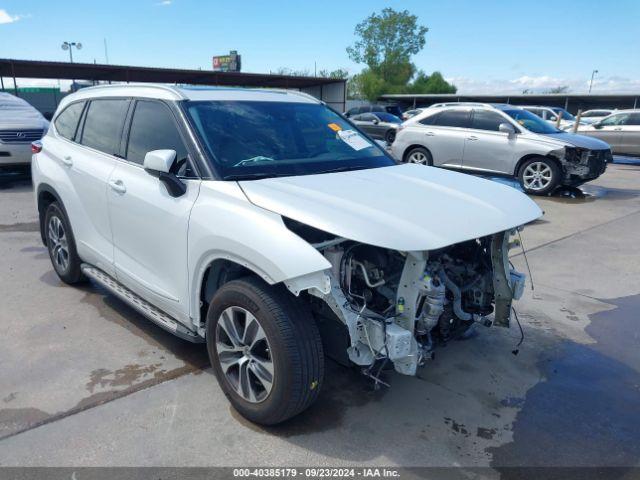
[403,207]
[578,140]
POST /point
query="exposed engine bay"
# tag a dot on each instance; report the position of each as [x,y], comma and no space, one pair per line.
[398,306]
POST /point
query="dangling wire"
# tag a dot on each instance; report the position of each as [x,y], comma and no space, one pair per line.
[525,259]
[517,349]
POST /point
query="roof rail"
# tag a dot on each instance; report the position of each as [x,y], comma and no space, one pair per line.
[461,104]
[166,88]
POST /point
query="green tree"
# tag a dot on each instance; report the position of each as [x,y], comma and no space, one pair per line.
[434,83]
[386,43]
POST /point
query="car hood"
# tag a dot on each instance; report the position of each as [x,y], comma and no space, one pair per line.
[403,207]
[577,140]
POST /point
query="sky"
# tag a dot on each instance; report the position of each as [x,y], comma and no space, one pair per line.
[491,46]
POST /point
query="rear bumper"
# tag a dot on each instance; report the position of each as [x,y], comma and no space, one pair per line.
[15,154]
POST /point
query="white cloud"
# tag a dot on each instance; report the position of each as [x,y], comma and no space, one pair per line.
[6,17]
[538,84]
[165,2]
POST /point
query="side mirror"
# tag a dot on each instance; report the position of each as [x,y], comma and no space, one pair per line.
[159,162]
[375,121]
[597,125]
[507,128]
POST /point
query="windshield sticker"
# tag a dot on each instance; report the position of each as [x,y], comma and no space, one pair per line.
[353,139]
[335,127]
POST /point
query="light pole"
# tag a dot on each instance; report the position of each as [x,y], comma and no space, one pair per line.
[593,74]
[69,46]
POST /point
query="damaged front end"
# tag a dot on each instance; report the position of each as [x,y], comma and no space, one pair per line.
[582,164]
[398,306]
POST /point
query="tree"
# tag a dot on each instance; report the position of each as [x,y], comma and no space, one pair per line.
[434,83]
[339,74]
[386,43]
[559,89]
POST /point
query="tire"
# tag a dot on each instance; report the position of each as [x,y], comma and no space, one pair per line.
[390,136]
[291,350]
[61,245]
[419,155]
[539,176]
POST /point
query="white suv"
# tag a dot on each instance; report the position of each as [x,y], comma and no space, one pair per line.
[266,225]
[502,140]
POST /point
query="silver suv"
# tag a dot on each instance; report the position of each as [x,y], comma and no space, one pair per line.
[503,140]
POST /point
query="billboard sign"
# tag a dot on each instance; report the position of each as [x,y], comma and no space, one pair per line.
[227,63]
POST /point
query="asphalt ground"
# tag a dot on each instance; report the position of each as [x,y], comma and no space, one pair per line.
[86,381]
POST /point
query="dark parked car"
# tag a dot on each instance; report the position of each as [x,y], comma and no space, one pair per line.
[379,125]
[374,108]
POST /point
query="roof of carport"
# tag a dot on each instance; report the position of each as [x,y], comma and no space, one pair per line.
[126,73]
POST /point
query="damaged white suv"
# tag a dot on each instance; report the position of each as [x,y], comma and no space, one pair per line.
[267,225]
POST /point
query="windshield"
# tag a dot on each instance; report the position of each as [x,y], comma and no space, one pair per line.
[531,122]
[249,139]
[563,113]
[387,117]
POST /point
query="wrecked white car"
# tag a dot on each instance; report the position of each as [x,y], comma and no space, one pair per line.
[266,225]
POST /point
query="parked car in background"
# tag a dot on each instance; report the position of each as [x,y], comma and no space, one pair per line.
[20,124]
[379,125]
[392,109]
[550,114]
[264,225]
[592,116]
[411,113]
[621,130]
[504,140]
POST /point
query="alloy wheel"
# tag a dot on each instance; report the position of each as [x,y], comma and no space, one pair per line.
[58,245]
[244,354]
[418,157]
[537,176]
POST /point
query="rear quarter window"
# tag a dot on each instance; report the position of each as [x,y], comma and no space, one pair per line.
[66,122]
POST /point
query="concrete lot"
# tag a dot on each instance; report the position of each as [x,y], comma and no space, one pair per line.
[86,381]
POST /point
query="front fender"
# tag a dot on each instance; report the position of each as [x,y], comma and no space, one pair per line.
[225,225]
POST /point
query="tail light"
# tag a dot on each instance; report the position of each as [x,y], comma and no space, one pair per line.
[36,147]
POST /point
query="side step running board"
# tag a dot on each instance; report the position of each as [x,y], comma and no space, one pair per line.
[154,314]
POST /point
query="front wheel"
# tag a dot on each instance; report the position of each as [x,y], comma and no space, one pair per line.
[390,136]
[539,176]
[265,349]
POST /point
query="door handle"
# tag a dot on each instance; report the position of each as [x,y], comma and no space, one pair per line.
[429,134]
[472,137]
[67,160]
[618,129]
[117,186]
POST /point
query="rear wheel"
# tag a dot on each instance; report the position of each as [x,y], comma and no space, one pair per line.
[419,155]
[539,176]
[390,136]
[62,245]
[265,349]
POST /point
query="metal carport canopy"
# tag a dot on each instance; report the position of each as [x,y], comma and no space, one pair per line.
[123,73]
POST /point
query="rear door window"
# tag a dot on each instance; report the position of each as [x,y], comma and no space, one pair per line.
[67,122]
[454,118]
[103,124]
[634,119]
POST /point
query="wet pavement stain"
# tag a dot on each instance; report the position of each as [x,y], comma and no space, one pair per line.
[21,227]
[457,427]
[12,419]
[123,377]
[587,411]
[486,433]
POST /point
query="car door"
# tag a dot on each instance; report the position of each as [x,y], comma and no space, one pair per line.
[630,140]
[444,134]
[609,130]
[150,227]
[486,147]
[89,160]
[366,123]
